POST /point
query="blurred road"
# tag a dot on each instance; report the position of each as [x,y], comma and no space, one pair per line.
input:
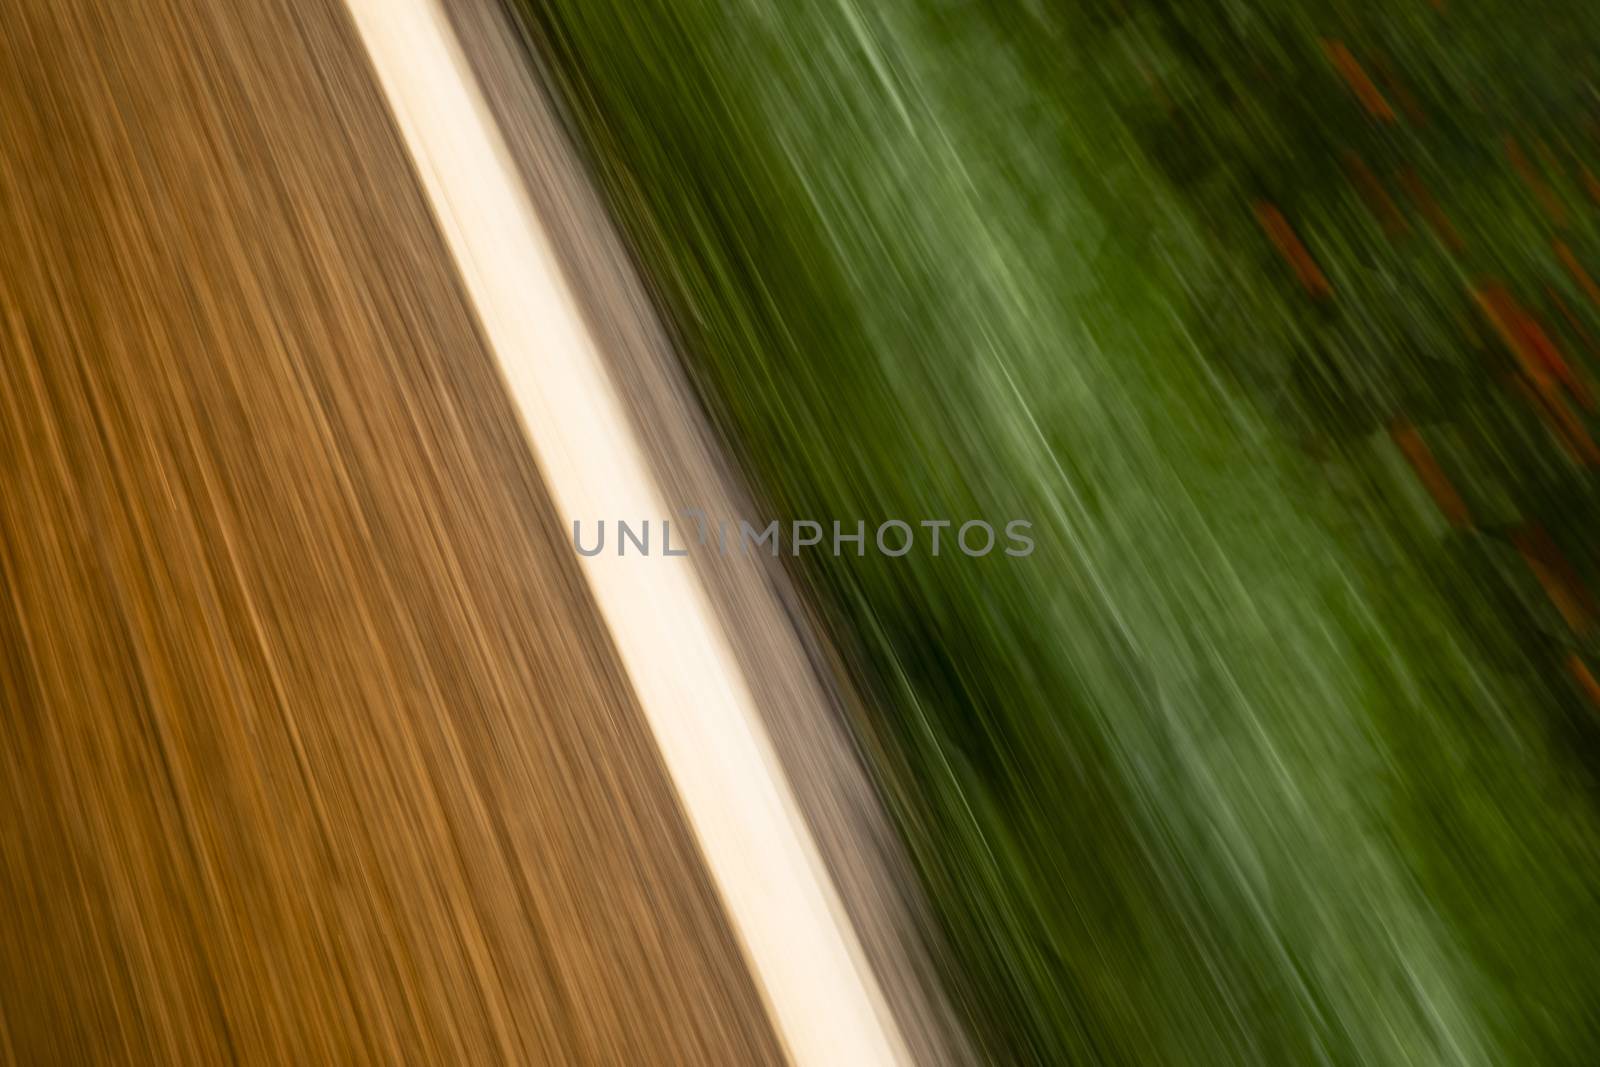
[311,747]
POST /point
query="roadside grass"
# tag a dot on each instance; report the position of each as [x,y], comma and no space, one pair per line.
[1251,761]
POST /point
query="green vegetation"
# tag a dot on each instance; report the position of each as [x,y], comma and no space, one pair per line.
[1276,751]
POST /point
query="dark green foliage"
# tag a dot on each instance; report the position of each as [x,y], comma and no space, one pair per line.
[1257,760]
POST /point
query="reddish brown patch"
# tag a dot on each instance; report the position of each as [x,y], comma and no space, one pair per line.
[1557,576]
[1430,473]
[1550,408]
[1396,87]
[1438,221]
[1549,356]
[1578,441]
[1292,249]
[1569,260]
[1580,674]
[1377,198]
[1355,76]
[1591,185]
[1503,314]
[1525,337]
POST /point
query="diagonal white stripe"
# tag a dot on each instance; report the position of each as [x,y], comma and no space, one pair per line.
[822,996]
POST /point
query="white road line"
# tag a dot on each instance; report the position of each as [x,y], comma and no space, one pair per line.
[823,998]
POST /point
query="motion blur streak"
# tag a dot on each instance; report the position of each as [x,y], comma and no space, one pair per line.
[313,749]
[817,983]
[1282,747]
